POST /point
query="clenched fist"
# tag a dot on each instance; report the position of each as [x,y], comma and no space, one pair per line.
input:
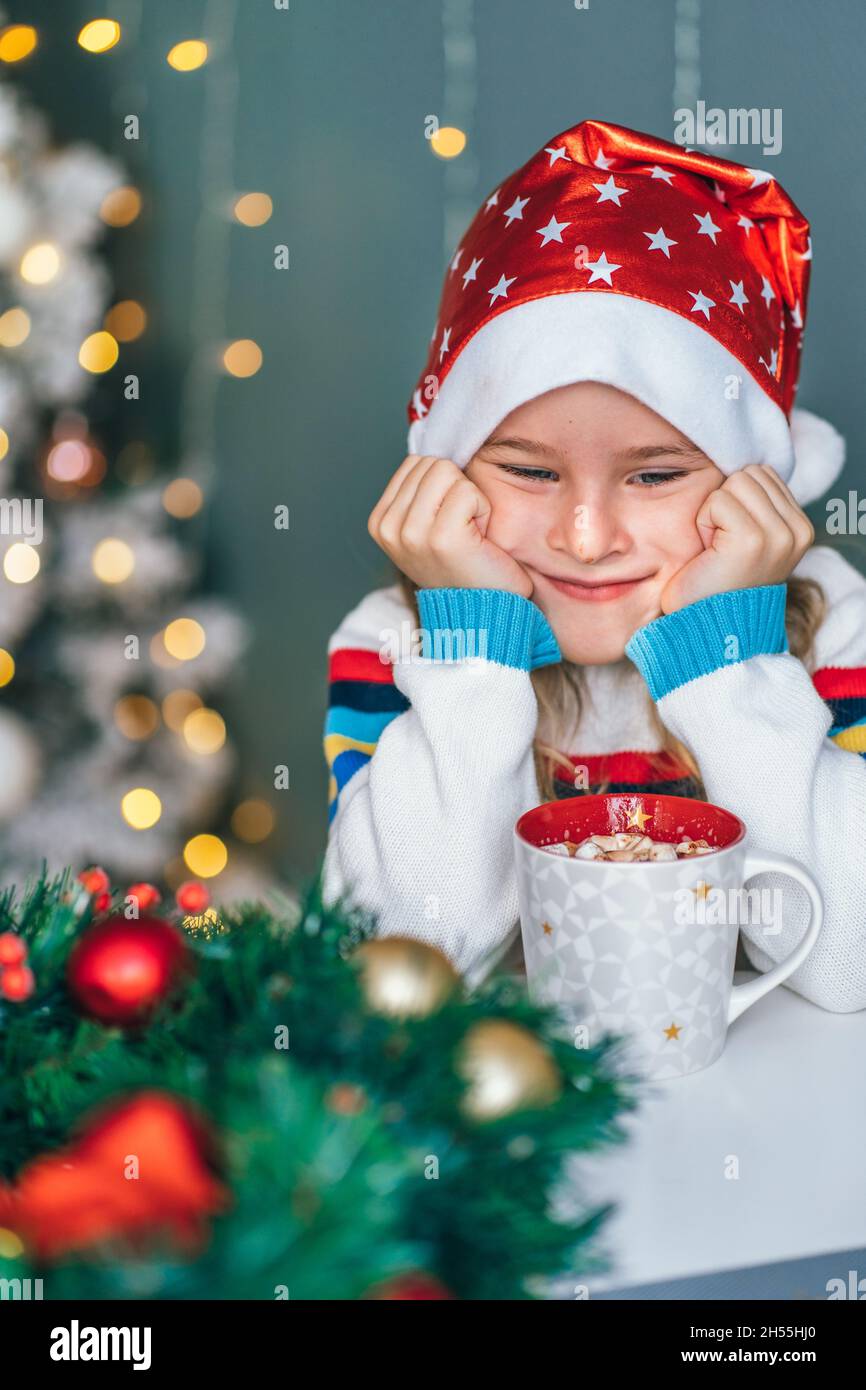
[432,522]
[754,532]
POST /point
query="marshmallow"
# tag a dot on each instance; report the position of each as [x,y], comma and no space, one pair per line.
[627,848]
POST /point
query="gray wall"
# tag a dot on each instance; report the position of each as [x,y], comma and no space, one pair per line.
[331,101]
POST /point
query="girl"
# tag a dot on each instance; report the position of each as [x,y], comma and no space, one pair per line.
[600,538]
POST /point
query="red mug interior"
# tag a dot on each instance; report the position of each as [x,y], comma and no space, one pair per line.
[671,818]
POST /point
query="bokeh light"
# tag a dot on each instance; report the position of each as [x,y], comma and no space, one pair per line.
[136,716]
[204,731]
[177,705]
[121,206]
[99,352]
[21,563]
[40,263]
[11,1245]
[253,820]
[16,42]
[205,855]
[158,654]
[253,209]
[242,358]
[14,327]
[182,498]
[125,320]
[113,560]
[135,463]
[187,56]
[141,808]
[68,461]
[448,141]
[184,639]
[99,35]
[7,666]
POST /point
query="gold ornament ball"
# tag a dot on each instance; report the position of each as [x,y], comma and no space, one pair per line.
[507,1068]
[404,978]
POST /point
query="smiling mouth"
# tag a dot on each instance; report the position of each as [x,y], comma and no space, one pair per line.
[596,592]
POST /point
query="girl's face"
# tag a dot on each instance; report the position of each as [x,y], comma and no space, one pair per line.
[590,488]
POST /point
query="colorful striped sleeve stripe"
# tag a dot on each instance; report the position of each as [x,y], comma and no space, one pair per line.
[843,688]
[362,701]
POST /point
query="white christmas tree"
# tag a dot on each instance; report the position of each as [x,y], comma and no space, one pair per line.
[94,705]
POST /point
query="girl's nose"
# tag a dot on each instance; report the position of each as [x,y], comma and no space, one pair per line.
[587,530]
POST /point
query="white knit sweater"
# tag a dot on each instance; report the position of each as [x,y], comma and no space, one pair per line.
[432,759]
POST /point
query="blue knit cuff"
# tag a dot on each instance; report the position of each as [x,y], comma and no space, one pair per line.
[491,623]
[720,630]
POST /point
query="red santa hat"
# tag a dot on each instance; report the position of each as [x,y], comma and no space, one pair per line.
[616,257]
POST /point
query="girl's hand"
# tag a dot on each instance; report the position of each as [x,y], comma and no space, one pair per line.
[754,532]
[432,522]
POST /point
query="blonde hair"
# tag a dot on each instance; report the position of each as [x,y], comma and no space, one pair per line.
[560,689]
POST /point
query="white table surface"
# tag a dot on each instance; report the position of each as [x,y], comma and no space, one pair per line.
[787,1097]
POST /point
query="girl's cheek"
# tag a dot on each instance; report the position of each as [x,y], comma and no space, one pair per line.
[676,537]
[508,524]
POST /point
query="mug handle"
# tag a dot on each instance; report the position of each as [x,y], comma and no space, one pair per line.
[744,995]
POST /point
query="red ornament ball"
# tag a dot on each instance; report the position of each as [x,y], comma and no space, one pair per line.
[95,880]
[120,970]
[192,897]
[17,983]
[413,1287]
[145,895]
[12,949]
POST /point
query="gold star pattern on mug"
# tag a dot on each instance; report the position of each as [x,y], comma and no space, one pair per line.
[638,817]
[547,928]
[673,1032]
[702,888]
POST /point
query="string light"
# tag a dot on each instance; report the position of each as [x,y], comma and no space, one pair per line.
[141,808]
[99,352]
[182,498]
[17,41]
[184,639]
[14,327]
[99,35]
[253,820]
[40,263]
[7,666]
[242,358]
[113,560]
[21,563]
[126,321]
[205,855]
[188,55]
[136,716]
[121,206]
[253,209]
[204,731]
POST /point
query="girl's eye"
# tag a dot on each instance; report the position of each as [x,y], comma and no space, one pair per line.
[653,479]
[542,474]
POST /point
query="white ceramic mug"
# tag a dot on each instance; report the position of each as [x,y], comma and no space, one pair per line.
[638,948]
